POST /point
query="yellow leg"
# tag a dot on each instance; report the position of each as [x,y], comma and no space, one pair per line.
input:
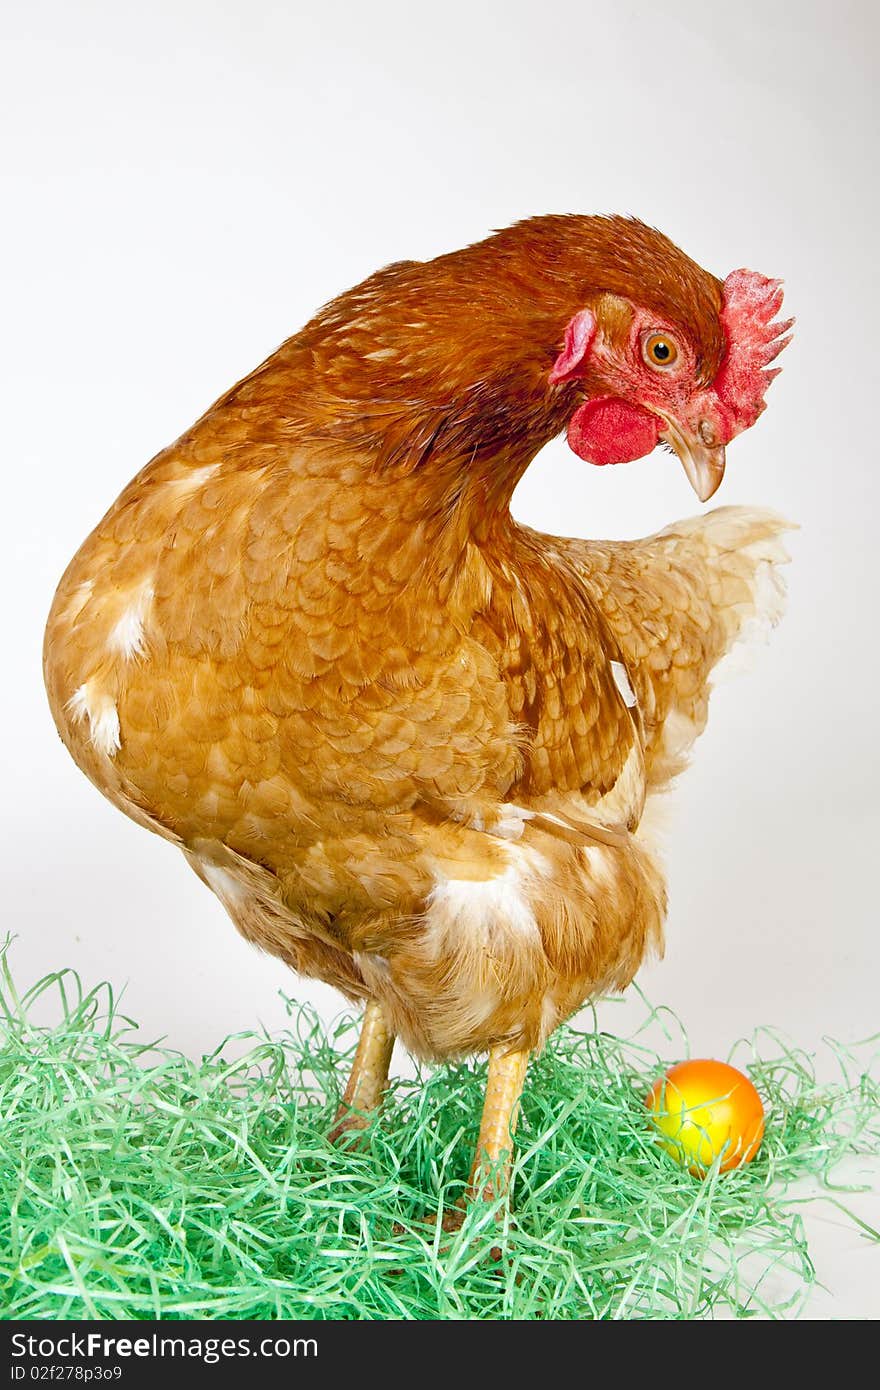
[369,1073]
[507,1072]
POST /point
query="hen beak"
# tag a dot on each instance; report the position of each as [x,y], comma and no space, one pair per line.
[701,456]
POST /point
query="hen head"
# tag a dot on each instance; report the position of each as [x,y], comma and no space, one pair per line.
[669,355]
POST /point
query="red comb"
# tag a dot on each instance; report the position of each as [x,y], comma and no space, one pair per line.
[748,308]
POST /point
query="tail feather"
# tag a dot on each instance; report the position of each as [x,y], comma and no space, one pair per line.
[743,549]
[678,603]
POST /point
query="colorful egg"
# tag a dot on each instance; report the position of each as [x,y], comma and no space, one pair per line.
[704,1110]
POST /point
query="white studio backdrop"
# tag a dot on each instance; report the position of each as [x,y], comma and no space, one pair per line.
[185,183]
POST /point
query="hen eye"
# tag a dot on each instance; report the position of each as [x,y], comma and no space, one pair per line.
[659,350]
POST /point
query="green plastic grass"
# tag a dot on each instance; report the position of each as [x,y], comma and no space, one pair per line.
[138,1183]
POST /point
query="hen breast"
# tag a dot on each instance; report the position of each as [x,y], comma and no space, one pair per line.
[411,771]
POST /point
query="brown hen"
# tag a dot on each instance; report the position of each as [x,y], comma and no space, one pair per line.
[406,741]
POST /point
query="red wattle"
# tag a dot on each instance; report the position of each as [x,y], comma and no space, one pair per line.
[610,430]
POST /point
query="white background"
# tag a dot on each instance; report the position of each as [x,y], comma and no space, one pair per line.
[184,183]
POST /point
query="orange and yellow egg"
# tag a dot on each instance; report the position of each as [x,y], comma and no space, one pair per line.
[705,1109]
